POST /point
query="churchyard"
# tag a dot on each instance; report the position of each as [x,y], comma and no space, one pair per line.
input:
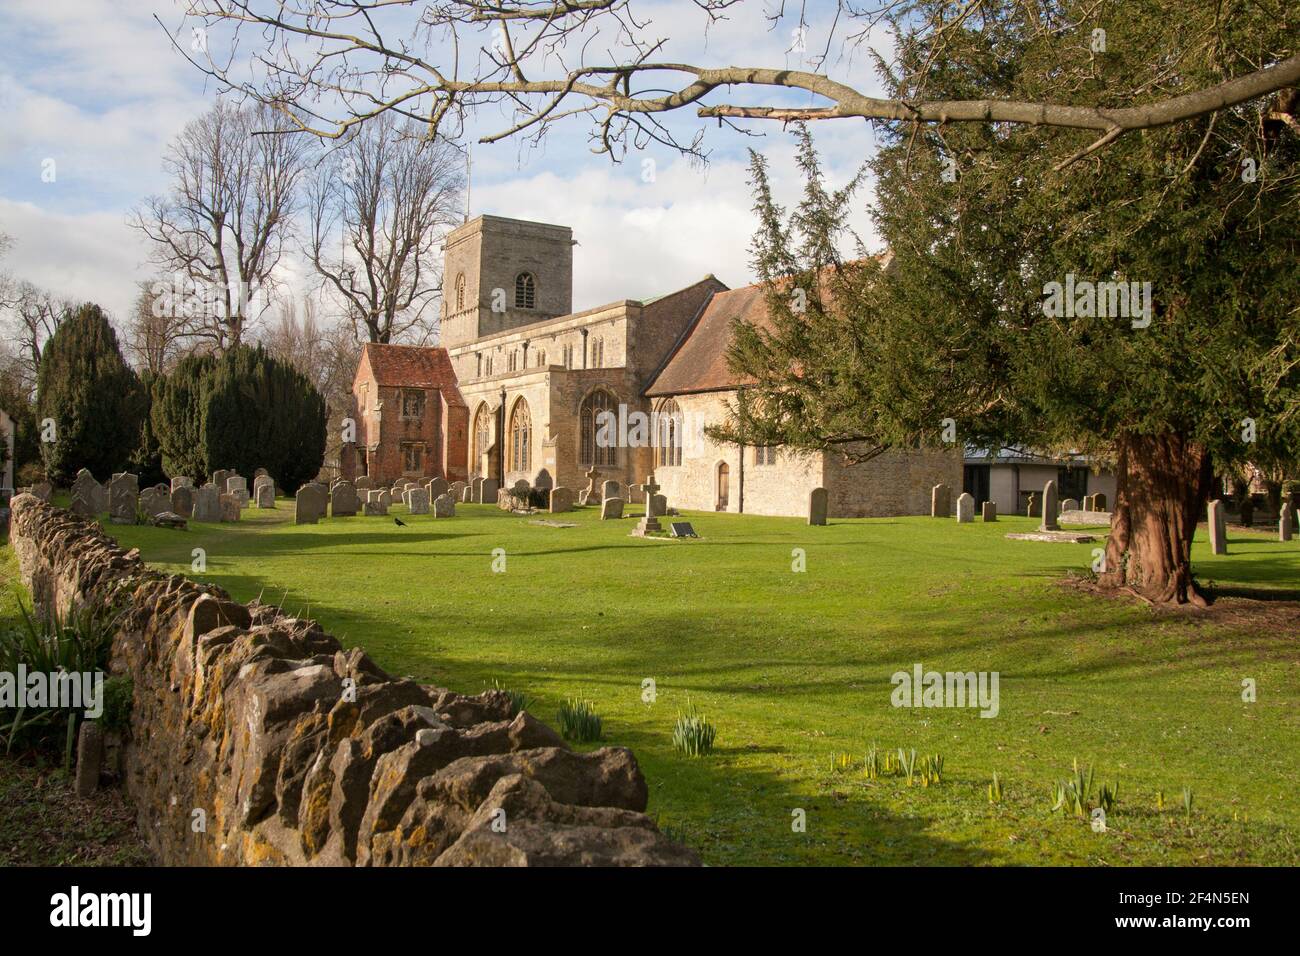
[792,641]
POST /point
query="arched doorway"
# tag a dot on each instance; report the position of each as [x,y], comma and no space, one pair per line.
[724,486]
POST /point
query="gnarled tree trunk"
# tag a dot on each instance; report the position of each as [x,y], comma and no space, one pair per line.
[1163,482]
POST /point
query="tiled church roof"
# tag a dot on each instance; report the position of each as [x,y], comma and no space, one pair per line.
[700,362]
[411,366]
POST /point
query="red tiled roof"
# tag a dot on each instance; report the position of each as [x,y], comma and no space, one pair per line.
[700,362]
[409,366]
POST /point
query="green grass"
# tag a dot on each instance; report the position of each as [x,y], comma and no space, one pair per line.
[792,668]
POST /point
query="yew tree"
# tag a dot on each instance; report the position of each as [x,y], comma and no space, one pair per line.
[965,322]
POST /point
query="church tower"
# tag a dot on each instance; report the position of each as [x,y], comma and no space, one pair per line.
[499,274]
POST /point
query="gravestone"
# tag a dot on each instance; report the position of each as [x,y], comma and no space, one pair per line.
[417,501]
[650,522]
[1069,504]
[989,511]
[343,500]
[588,495]
[1099,502]
[1217,521]
[657,505]
[264,491]
[486,491]
[940,501]
[817,506]
[95,494]
[207,504]
[965,508]
[611,508]
[561,500]
[385,499]
[1033,509]
[230,507]
[457,491]
[182,482]
[1246,514]
[444,506]
[362,483]
[437,487]
[183,501]
[682,529]
[611,489]
[81,506]
[43,490]
[309,504]
[520,491]
[123,493]
[374,503]
[219,479]
[1051,508]
[1284,522]
[467,495]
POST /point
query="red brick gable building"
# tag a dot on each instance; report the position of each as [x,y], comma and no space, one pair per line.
[411,421]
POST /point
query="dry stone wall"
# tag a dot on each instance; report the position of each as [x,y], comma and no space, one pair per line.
[256,738]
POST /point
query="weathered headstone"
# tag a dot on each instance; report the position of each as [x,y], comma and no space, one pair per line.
[519,492]
[1284,522]
[343,500]
[457,490]
[650,522]
[123,494]
[817,506]
[444,506]
[219,479]
[656,505]
[940,501]
[1051,508]
[965,508]
[590,495]
[487,491]
[43,490]
[95,494]
[1033,508]
[183,501]
[989,511]
[385,499]
[230,507]
[467,495]
[611,508]
[1069,504]
[207,504]
[264,491]
[90,757]
[375,503]
[437,487]
[81,506]
[1099,502]
[561,500]
[417,501]
[1218,524]
[309,504]
[181,482]
[362,483]
[611,489]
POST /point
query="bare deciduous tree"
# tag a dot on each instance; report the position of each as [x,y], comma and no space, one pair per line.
[334,64]
[156,336]
[222,229]
[377,209]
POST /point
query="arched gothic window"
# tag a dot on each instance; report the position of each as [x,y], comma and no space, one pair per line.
[521,438]
[482,437]
[525,291]
[592,452]
[460,292]
[668,437]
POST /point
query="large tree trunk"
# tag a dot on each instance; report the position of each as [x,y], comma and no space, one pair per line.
[1163,482]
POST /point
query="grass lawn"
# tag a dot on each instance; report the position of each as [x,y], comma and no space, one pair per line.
[794,668]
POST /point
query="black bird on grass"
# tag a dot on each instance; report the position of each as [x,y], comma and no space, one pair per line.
[399,522]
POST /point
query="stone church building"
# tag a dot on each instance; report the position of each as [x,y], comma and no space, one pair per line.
[519,383]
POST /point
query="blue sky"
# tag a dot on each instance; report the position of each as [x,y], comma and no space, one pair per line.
[95,87]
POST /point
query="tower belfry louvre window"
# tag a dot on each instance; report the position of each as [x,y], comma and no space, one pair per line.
[525,291]
[460,292]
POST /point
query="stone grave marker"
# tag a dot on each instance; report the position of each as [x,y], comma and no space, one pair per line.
[588,495]
[989,511]
[436,488]
[1051,508]
[817,506]
[1069,504]
[1284,522]
[611,489]
[1033,509]
[309,504]
[561,500]
[417,501]
[650,522]
[682,529]
[611,508]
[230,507]
[1218,524]
[940,501]
[457,490]
[183,501]
[362,483]
[444,506]
[207,504]
[182,482]
[43,490]
[658,504]
[374,503]
[1099,502]
[123,493]
[965,508]
[343,500]
[81,506]
[264,491]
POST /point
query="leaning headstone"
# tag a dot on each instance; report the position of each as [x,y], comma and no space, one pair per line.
[343,500]
[1284,522]
[965,508]
[1099,502]
[95,494]
[989,511]
[123,493]
[444,506]
[230,507]
[183,501]
[309,504]
[1051,508]
[436,488]
[940,501]
[82,507]
[611,489]
[264,491]
[207,504]
[1217,521]
[43,490]
[1069,504]
[417,501]
[181,482]
[817,506]
[561,500]
[457,490]
[611,508]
